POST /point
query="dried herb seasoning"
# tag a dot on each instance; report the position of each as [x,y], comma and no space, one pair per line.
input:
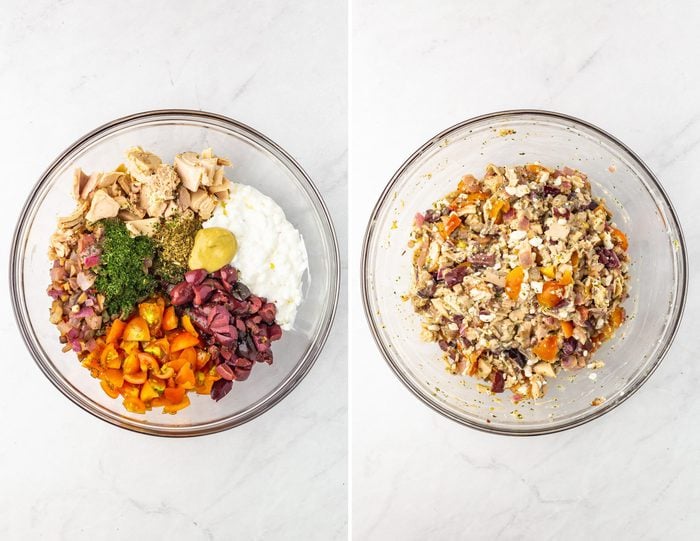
[174,239]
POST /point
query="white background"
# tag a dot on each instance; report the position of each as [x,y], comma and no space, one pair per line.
[67,67]
[629,67]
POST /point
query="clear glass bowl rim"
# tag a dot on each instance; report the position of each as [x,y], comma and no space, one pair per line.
[286,386]
[369,238]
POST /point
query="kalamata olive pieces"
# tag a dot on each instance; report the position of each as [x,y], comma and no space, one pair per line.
[517,356]
[608,258]
[568,346]
[432,216]
[240,291]
[498,384]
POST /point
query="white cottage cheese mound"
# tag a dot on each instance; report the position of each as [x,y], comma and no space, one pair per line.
[271,255]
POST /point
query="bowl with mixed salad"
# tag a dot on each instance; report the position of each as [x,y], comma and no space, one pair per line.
[524,272]
[162,272]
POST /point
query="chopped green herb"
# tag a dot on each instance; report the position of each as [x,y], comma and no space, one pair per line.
[122,276]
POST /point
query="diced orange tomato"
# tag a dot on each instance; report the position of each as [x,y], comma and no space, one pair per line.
[477,196]
[148,362]
[187,325]
[116,329]
[129,347]
[547,348]
[114,377]
[566,278]
[112,392]
[202,358]
[473,362]
[166,372]
[158,402]
[137,378]
[620,237]
[169,319]
[617,317]
[499,207]
[129,389]
[92,361]
[549,271]
[535,167]
[514,281]
[205,388]
[552,294]
[174,408]
[131,364]
[148,392]
[152,313]
[185,377]
[152,359]
[176,362]
[602,210]
[183,340]
[110,357]
[174,395]
[134,404]
[441,230]
[137,330]
[158,348]
[567,329]
[608,330]
[453,222]
[188,355]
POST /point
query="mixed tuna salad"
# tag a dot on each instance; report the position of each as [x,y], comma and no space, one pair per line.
[518,276]
[164,282]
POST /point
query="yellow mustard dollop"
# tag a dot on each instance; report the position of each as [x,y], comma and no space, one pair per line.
[213,248]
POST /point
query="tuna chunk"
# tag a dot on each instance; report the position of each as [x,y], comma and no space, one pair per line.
[187,166]
[141,164]
[203,204]
[102,206]
[142,227]
[79,180]
[197,170]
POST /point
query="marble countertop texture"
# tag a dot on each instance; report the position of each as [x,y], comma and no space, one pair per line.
[626,66]
[65,68]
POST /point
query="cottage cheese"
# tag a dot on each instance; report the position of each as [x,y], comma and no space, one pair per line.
[271,255]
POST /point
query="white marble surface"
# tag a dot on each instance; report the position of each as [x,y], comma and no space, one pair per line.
[626,66]
[67,67]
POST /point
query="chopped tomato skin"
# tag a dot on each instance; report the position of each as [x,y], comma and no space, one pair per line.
[152,359]
[620,238]
[514,282]
[453,222]
[182,341]
[567,329]
[499,207]
[552,294]
[170,321]
[187,325]
[547,348]
[115,332]
[137,330]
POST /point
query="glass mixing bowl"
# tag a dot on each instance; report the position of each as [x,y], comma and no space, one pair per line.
[258,162]
[640,207]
